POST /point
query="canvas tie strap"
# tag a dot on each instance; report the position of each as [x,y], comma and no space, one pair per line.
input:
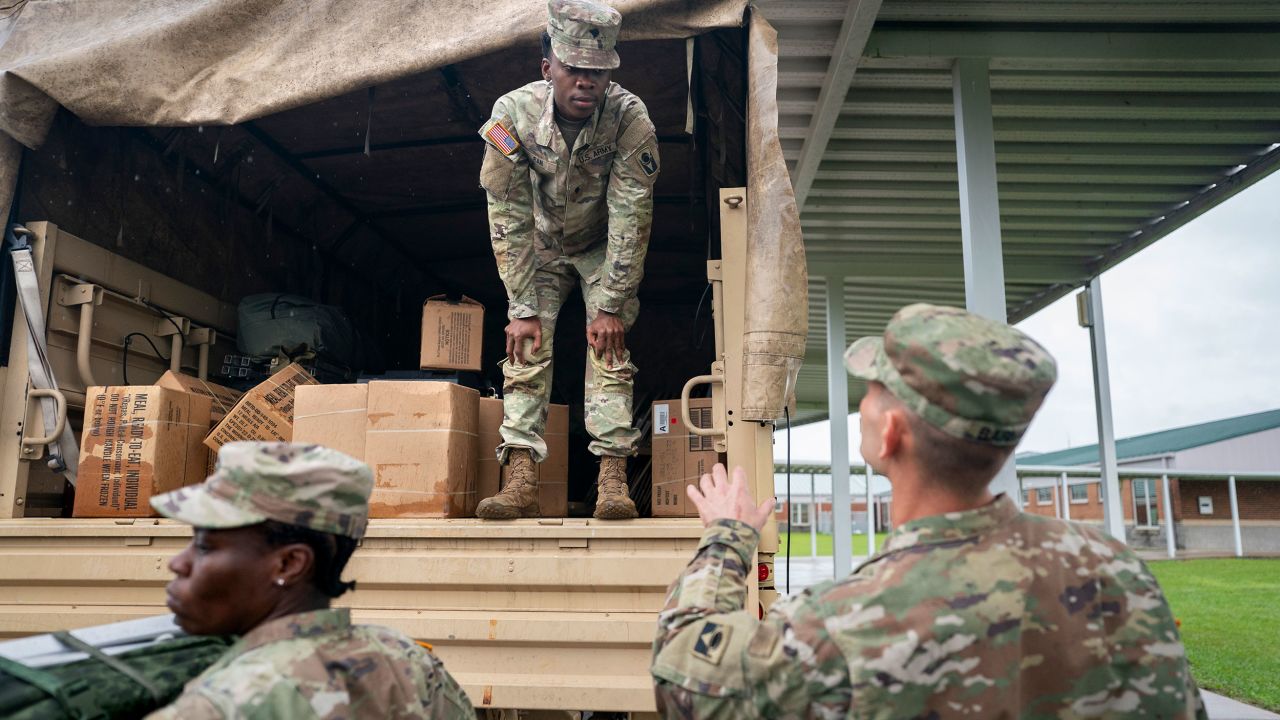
[116,664]
[73,704]
[64,454]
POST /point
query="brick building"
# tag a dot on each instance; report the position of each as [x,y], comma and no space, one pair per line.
[812,504]
[1201,508]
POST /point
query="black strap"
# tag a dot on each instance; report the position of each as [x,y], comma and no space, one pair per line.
[74,706]
[116,664]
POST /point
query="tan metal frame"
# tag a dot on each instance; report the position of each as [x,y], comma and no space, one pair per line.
[747,444]
[84,287]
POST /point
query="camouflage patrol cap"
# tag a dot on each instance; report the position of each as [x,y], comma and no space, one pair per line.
[972,378]
[584,33]
[296,484]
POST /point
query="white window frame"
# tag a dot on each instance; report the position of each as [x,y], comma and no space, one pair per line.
[805,514]
[1080,501]
[1150,500]
[1042,501]
[1026,497]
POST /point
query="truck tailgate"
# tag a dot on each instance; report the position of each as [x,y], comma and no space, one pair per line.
[536,614]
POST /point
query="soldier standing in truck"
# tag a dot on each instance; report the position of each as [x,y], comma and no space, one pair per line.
[569,168]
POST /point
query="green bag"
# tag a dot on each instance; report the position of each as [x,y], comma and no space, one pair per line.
[275,324]
[128,685]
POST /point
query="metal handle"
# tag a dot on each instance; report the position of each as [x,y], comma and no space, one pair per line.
[684,406]
[60,403]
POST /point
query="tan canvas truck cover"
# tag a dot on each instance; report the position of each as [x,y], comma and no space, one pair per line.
[178,63]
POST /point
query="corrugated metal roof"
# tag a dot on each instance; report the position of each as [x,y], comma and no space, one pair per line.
[1115,123]
[1165,441]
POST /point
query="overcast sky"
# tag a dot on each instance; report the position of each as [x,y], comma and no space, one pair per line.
[1193,334]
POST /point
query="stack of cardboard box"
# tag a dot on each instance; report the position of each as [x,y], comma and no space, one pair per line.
[679,456]
[143,440]
[430,444]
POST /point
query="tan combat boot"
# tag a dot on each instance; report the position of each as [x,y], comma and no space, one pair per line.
[612,501]
[519,498]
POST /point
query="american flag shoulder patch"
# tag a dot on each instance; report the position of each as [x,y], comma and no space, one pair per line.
[496,132]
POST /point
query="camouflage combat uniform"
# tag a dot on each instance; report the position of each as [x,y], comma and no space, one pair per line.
[312,664]
[318,665]
[985,613]
[560,216]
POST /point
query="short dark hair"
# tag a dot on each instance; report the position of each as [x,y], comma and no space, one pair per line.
[331,553]
[546,45]
[963,465]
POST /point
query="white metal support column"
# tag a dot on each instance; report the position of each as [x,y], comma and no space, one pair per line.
[1170,543]
[1066,498]
[1092,317]
[814,514]
[871,513]
[1235,516]
[838,413]
[980,208]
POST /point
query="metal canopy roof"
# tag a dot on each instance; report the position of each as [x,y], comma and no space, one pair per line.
[1115,124]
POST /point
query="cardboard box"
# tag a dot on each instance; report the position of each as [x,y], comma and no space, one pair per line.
[224,398]
[138,441]
[333,416]
[679,457]
[553,473]
[263,413]
[451,334]
[420,442]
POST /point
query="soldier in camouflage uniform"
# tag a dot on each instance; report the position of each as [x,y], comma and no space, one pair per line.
[972,608]
[274,527]
[569,168]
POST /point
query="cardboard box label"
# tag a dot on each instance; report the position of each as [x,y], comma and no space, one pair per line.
[701,418]
[263,413]
[451,334]
[661,419]
[138,441]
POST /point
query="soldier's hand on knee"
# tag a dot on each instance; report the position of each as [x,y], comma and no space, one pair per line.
[718,498]
[519,330]
[607,337]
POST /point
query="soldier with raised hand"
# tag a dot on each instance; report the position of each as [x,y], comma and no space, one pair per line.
[274,527]
[972,608]
[569,168]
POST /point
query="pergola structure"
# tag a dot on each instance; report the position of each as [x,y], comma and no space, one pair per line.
[1000,154]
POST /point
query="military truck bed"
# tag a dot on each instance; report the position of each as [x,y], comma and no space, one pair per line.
[524,613]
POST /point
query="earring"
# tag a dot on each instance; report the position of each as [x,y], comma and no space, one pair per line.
[280,582]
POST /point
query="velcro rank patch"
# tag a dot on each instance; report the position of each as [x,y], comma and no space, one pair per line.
[500,133]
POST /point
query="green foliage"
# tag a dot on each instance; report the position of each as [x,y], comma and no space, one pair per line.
[1229,611]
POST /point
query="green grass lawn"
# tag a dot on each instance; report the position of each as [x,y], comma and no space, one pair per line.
[1230,615]
[1229,610]
[802,548]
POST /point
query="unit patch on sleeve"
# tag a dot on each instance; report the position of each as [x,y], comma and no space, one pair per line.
[713,638]
[648,161]
[497,132]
